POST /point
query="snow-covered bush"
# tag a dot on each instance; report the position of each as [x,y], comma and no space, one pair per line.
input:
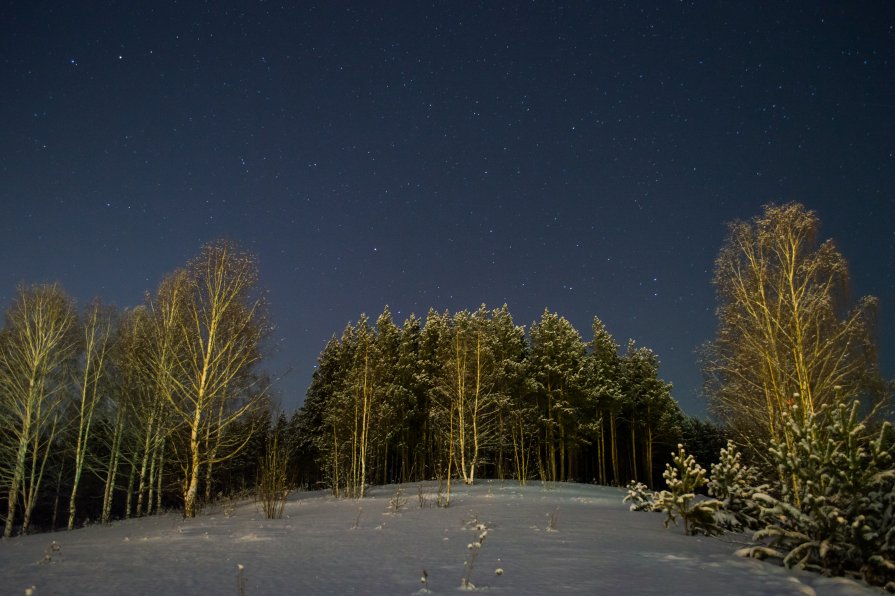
[835,510]
[640,496]
[734,484]
[683,479]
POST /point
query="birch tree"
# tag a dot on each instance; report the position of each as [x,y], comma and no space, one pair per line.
[37,348]
[221,331]
[785,333]
[146,358]
[466,407]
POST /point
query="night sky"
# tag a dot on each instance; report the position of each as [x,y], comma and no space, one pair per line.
[582,157]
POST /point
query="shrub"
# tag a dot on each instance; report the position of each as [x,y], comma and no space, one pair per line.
[273,486]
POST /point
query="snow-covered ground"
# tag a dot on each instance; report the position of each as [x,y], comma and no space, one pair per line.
[328,546]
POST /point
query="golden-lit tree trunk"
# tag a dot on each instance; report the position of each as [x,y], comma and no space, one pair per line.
[366,394]
[649,455]
[160,474]
[468,393]
[111,475]
[468,408]
[613,446]
[460,399]
[97,334]
[550,436]
[155,471]
[521,451]
[633,447]
[335,462]
[144,357]
[603,476]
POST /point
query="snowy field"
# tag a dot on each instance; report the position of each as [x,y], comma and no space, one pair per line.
[327,546]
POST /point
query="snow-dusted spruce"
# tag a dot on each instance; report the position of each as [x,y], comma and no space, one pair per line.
[835,512]
[683,479]
[734,484]
[640,497]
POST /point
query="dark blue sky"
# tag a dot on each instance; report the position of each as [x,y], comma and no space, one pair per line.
[582,157]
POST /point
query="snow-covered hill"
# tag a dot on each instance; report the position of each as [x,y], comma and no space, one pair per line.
[328,546]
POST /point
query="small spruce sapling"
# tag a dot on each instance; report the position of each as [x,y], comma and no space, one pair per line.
[683,479]
[734,484]
[640,497]
[397,501]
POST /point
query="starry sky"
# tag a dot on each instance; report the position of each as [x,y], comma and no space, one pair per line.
[581,156]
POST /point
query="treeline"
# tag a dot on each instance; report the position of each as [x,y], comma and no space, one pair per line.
[470,394]
[111,413]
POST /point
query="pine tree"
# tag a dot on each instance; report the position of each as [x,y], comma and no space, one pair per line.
[600,379]
[734,484]
[555,360]
[506,344]
[684,478]
[834,514]
[645,397]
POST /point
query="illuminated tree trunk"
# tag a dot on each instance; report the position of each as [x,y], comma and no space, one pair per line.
[192,491]
[633,448]
[613,446]
[161,469]
[112,466]
[40,452]
[96,344]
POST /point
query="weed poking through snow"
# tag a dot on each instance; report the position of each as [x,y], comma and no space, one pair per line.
[52,550]
[474,548]
[551,520]
[397,502]
[425,501]
[240,580]
[444,493]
